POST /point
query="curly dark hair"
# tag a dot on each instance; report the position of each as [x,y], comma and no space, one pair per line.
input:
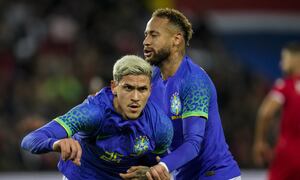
[293,47]
[178,19]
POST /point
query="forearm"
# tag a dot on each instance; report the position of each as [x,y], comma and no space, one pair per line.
[264,119]
[42,139]
[187,151]
[265,116]
[261,129]
[193,131]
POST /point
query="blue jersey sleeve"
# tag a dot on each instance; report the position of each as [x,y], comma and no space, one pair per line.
[195,96]
[193,132]
[42,139]
[85,117]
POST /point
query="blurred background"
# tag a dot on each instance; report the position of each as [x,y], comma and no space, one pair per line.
[54,53]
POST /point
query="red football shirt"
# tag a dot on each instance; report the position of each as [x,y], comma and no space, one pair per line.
[287,91]
[286,162]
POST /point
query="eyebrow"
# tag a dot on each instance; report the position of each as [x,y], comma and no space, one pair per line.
[135,87]
[140,87]
[151,32]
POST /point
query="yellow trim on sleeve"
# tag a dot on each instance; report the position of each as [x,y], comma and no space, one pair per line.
[175,117]
[197,113]
[64,125]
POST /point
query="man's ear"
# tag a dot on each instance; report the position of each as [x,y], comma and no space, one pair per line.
[113,86]
[178,38]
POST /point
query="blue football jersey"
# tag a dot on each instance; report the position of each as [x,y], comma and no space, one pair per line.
[191,93]
[111,144]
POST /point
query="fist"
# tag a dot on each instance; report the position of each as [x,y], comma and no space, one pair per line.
[69,149]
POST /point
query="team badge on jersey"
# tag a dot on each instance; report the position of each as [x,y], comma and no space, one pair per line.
[141,145]
[175,104]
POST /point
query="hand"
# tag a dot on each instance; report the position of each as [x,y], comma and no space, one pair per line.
[158,159]
[262,153]
[158,172]
[135,173]
[69,149]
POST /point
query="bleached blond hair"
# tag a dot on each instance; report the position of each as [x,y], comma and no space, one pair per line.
[131,65]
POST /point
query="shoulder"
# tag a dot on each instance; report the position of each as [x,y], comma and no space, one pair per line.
[196,84]
[194,72]
[281,84]
[286,85]
[99,103]
[161,123]
[103,97]
[195,81]
[153,111]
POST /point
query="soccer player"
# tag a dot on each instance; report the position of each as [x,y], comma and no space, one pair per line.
[284,96]
[188,96]
[109,132]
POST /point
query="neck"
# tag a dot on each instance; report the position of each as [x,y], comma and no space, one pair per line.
[297,72]
[117,107]
[294,71]
[169,67]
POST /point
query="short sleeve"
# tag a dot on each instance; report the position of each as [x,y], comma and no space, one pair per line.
[278,90]
[195,95]
[85,117]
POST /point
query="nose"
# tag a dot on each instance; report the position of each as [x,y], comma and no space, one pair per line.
[135,96]
[146,41]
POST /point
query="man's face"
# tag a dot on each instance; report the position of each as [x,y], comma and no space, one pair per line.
[158,40]
[288,62]
[131,95]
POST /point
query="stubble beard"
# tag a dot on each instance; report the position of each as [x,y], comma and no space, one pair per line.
[158,58]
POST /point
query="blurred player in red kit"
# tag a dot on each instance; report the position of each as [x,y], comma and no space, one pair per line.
[284,96]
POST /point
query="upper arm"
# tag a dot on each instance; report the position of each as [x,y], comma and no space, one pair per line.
[85,117]
[195,96]
[269,106]
[274,100]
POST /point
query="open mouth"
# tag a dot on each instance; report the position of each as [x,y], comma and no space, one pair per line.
[148,53]
[134,107]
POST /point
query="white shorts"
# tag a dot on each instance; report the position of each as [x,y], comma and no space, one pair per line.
[236,178]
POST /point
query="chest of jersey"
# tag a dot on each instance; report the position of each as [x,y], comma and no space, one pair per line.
[167,95]
[122,141]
